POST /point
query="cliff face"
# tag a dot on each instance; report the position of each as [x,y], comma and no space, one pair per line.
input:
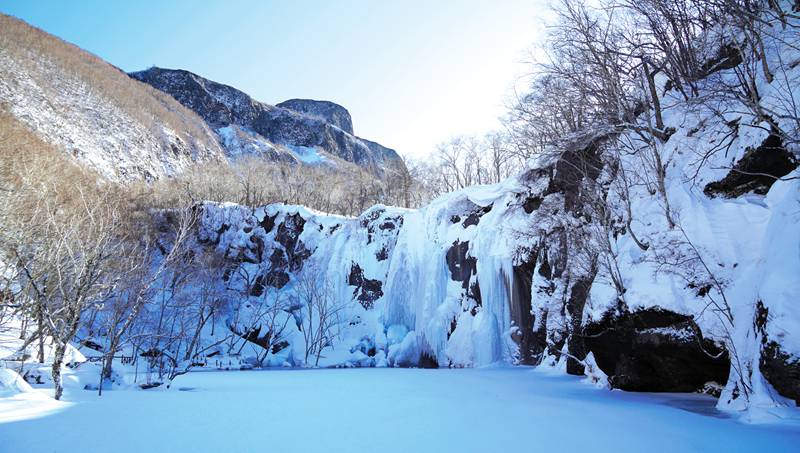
[581,262]
[331,113]
[506,273]
[295,123]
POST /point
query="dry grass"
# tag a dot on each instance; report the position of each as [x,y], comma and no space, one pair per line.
[30,46]
[35,174]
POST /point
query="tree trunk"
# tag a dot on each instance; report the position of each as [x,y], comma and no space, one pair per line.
[58,358]
[651,84]
[108,360]
[40,321]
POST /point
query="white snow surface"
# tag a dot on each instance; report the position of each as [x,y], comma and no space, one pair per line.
[389,410]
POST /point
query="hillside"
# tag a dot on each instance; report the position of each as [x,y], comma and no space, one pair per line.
[91,110]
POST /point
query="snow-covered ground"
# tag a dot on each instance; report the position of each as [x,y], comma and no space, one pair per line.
[487,410]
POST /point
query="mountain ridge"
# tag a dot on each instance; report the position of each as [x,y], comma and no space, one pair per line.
[296,122]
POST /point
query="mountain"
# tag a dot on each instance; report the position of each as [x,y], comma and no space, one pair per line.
[295,128]
[329,112]
[122,128]
[155,123]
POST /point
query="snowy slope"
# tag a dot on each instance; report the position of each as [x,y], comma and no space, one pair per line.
[86,107]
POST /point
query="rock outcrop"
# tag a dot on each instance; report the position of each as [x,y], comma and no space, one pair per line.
[297,123]
[329,112]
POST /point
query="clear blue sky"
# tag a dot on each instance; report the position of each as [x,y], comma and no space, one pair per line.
[411,73]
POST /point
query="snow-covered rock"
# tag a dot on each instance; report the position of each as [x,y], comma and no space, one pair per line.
[303,123]
[11,383]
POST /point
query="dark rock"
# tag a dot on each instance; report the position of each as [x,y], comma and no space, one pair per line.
[222,229]
[279,346]
[779,368]
[257,289]
[575,306]
[366,346]
[371,216]
[253,335]
[756,171]
[388,225]
[727,57]
[298,256]
[367,290]
[521,314]
[288,234]
[277,278]
[371,290]
[475,292]
[258,243]
[531,204]
[581,159]
[328,111]
[474,217]
[268,223]
[462,267]
[655,351]
[289,231]
[278,259]
[427,361]
[91,345]
[453,325]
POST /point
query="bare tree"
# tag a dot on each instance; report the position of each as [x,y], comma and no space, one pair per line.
[147,262]
[322,314]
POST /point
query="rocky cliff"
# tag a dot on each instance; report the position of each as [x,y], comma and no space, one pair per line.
[302,123]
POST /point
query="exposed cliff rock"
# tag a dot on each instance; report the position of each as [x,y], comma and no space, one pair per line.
[297,124]
[655,350]
[329,112]
[543,269]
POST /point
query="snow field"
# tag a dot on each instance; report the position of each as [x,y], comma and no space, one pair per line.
[388,410]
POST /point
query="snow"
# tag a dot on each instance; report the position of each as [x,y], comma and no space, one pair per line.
[99,130]
[239,141]
[307,154]
[388,410]
[11,383]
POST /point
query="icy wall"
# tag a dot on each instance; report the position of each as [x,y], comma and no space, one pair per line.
[511,272]
[677,274]
[436,280]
